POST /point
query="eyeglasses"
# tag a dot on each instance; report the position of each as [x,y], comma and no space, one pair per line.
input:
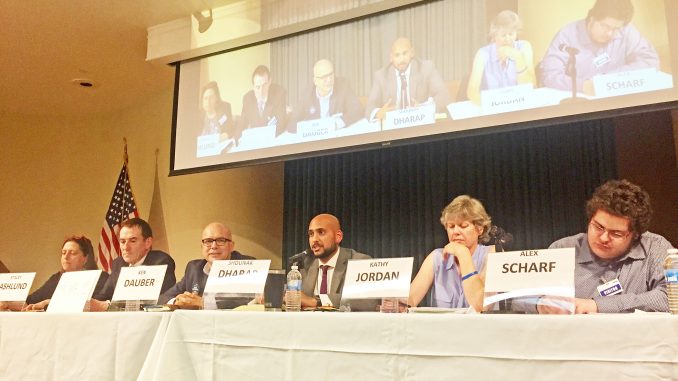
[220,241]
[613,234]
[612,29]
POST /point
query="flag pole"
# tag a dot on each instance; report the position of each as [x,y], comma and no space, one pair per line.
[125,159]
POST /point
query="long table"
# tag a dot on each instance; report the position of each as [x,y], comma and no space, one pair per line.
[79,346]
[209,345]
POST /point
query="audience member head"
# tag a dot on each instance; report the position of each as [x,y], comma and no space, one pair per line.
[323,77]
[77,254]
[136,239]
[618,212]
[606,18]
[324,236]
[217,242]
[465,221]
[504,28]
[402,53]
[261,81]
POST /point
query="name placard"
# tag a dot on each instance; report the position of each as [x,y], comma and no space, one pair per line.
[211,145]
[420,115]
[631,82]
[316,129]
[529,273]
[14,287]
[238,276]
[507,99]
[378,278]
[256,137]
[139,283]
[73,291]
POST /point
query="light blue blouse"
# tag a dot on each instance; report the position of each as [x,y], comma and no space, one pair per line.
[447,289]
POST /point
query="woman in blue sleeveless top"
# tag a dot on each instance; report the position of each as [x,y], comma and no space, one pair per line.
[457,271]
[505,61]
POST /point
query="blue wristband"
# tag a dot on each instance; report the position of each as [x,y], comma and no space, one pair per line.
[468,275]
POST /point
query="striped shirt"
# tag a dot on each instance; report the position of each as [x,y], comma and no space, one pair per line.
[640,272]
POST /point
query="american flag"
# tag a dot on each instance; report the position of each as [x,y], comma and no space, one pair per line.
[121,208]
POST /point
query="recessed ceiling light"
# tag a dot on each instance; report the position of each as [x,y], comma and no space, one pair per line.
[82,82]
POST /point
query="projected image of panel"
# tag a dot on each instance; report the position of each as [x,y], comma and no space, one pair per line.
[427,70]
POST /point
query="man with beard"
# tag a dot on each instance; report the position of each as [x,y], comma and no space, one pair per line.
[326,270]
[617,250]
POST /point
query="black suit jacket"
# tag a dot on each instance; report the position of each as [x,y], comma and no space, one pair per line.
[276,107]
[193,275]
[343,100]
[47,290]
[154,257]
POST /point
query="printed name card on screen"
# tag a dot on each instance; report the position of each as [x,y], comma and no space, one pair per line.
[211,145]
[73,291]
[238,276]
[420,115]
[378,278]
[529,273]
[316,129]
[506,99]
[139,283]
[631,82]
[14,287]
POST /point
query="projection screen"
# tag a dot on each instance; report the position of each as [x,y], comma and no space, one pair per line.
[427,71]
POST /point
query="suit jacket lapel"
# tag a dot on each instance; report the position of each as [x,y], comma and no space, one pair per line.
[339,271]
[312,274]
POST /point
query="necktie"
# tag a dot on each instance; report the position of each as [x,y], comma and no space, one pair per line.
[323,282]
[403,91]
[261,107]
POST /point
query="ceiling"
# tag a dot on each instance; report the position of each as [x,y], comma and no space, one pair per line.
[45,45]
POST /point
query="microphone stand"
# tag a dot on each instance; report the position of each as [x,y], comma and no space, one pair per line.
[571,70]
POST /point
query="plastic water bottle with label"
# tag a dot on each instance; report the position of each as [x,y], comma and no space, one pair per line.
[293,294]
[671,273]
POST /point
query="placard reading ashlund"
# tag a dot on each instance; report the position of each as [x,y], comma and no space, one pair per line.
[378,278]
[529,273]
[14,287]
[238,276]
[73,291]
[139,283]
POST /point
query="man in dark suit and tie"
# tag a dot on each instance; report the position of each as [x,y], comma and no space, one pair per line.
[329,97]
[265,104]
[217,244]
[324,272]
[405,82]
[136,242]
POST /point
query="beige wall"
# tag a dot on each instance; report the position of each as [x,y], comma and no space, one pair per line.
[58,177]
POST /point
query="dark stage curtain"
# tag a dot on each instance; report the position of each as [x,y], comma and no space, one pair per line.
[533,183]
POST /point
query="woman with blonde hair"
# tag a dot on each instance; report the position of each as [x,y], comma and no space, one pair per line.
[505,61]
[456,271]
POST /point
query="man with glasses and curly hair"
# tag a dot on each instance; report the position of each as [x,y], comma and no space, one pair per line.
[217,244]
[619,264]
[604,42]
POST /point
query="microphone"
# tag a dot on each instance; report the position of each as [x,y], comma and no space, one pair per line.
[569,49]
[298,259]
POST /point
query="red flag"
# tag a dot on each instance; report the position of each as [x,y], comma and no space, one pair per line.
[121,208]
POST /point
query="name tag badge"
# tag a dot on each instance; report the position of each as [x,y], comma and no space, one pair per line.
[223,119]
[601,60]
[325,300]
[612,287]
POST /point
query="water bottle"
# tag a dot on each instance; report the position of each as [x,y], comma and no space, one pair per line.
[671,273]
[293,295]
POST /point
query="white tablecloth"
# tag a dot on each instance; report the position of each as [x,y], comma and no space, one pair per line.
[202,345]
[82,346]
